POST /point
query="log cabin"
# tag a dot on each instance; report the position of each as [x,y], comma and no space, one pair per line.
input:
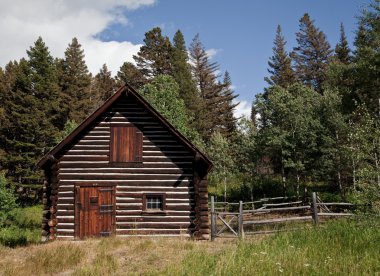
[125,171]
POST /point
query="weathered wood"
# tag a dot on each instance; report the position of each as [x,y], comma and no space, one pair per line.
[335,214]
[228,226]
[213,220]
[240,225]
[52,222]
[277,209]
[281,204]
[315,208]
[277,220]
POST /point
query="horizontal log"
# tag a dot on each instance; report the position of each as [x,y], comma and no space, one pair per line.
[139,195]
[278,209]
[335,204]
[64,233]
[105,169]
[141,213]
[161,219]
[121,176]
[65,201]
[151,232]
[104,142]
[88,152]
[65,207]
[52,222]
[103,164]
[65,212]
[65,220]
[53,230]
[277,220]
[84,158]
[155,225]
[64,226]
[281,204]
[335,214]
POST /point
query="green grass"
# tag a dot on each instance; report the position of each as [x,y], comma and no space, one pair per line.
[338,248]
[344,247]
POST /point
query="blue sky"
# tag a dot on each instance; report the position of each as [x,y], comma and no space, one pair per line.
[241,32]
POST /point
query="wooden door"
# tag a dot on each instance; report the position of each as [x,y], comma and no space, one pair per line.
[94,211]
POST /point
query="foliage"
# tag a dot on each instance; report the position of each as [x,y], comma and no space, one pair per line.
[103,86]
[154,57]
[21,226]
[163,94]
[75,83]
[280,67]
[129,74]
[182,74]
[312,54]
[7,197]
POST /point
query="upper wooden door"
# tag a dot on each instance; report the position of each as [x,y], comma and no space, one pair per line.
[94,211]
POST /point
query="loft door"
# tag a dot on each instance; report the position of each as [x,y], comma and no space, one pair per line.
[94,211]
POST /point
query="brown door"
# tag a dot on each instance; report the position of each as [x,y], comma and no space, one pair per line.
[94,211]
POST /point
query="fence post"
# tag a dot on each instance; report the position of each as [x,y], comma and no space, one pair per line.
[315,208]
[213,219]
[240,225]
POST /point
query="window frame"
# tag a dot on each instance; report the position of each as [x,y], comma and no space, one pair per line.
[137,160]
[145,202]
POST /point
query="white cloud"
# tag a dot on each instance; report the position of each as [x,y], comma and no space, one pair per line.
[243,109]
[211,53]
[58,21]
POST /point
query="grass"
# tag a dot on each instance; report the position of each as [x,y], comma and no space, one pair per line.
[339,248]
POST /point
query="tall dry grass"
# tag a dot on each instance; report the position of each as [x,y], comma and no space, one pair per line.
[337,248]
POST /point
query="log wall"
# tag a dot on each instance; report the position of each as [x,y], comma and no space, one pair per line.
[167,167]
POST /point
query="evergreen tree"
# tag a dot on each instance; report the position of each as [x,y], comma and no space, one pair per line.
[207,119]
[227,107]
[103,85]
[312,54]
[342,51]
[75,82]
[129,73]
[182,74]
[154,57]
[30,112]
[280,66]
[163,94]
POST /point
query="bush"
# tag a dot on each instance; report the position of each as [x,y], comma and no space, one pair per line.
[13,236]
[29,217]
[7,198]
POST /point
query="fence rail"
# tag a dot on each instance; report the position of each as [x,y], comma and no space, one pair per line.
[225,223]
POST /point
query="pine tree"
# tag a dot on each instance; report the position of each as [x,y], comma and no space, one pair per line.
[154,58]
[342,50]
[182,73]
[280,66]
[30,112]
[207,119]
[312,54]
[103,85]
[75,83]
[228,106]
[129,73]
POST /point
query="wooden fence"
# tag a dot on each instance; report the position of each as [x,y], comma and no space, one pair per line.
[247,218]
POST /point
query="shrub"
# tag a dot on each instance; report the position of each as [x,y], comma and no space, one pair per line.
[13,236]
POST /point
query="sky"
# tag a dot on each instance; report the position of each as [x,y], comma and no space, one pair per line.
[238,35]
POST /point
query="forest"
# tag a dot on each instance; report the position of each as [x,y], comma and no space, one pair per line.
[315,127]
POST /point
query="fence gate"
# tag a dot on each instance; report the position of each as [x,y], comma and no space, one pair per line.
[226,222]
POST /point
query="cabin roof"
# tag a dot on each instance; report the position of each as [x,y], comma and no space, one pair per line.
[130,91]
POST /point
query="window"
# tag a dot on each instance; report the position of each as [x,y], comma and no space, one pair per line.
[154,202]
[126,144]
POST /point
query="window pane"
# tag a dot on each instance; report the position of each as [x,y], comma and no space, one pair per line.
[154,202]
